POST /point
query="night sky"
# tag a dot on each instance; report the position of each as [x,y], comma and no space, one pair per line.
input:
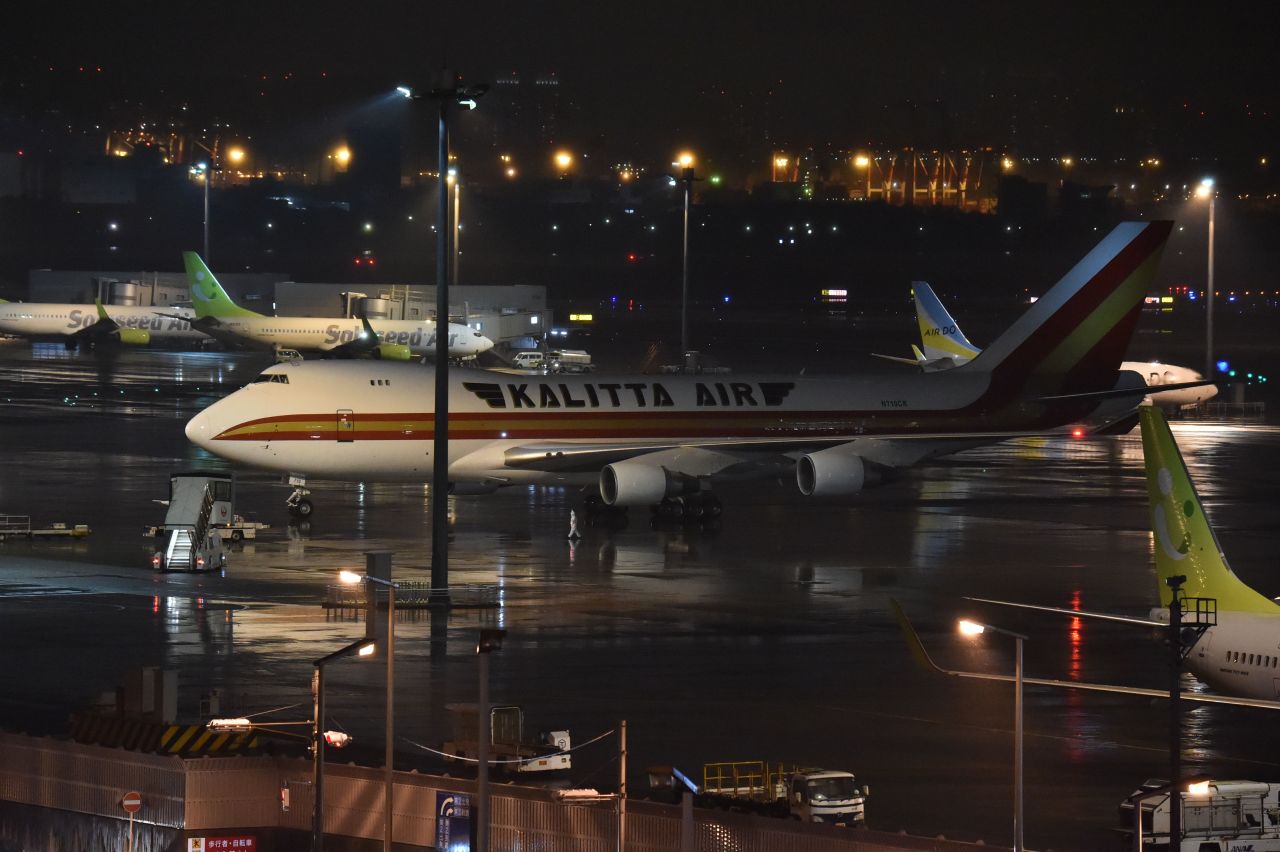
[847,73]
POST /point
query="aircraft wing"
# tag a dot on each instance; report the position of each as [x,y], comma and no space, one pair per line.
[888,450]
[922,657]
[1075,613]
[363,344]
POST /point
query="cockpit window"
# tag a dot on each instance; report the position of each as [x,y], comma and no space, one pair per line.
[278,378]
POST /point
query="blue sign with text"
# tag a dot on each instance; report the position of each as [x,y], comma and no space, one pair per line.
[453,821]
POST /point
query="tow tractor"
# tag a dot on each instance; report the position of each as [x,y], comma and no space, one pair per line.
[807,794]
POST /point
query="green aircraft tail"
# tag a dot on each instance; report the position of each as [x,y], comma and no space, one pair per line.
[207,296]
[1184,540]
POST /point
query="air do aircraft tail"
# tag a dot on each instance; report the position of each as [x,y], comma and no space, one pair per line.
[207,296]
[1184,541]
[939,334]
[1073,339]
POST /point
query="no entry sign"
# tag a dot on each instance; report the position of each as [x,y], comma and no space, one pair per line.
[132,802]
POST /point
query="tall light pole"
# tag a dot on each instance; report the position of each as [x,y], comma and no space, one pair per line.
[1205,190]
[685,162]
[389,757]
[490,641]
[318,736]
[446,93]
[202,170]
[974,628]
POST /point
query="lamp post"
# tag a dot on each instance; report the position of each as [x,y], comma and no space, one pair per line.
[974,628]
[1205,190]
[685,162]
[490,641]
[202,169]
[319,736]
[446,93]
[351,577]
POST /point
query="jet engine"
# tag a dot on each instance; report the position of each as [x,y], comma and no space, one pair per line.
[639,483]
[392,352]
[134,336]
[833,472]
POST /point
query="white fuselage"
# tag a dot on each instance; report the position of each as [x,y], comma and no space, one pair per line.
[323,334]
[1156,374]
[373,421]
[1240,655]
[51,320]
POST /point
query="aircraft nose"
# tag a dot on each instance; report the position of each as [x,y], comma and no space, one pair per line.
[483,344]
[198,429]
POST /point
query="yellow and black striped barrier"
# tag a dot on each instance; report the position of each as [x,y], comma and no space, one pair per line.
[160,738]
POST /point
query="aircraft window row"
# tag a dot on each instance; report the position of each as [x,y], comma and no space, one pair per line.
[379,382]
[278,378]
[1267,661]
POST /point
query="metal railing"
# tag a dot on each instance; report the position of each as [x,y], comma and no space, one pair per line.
[414,595]
[15,525]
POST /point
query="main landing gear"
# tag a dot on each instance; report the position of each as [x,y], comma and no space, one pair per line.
[692,508]
[299,506]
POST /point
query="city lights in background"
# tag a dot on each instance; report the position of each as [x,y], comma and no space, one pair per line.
[236,155]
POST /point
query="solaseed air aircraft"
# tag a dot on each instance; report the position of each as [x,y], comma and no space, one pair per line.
[1234,643]
[669,440]
[394,340]
[74,324]
[945,346]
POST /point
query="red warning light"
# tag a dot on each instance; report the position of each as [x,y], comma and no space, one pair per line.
[356,261]
[631,256]
[373,261]
[1077,432]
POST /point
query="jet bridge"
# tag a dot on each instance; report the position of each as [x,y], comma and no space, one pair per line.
[189,540]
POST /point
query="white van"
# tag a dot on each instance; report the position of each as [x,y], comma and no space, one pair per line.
[528,360]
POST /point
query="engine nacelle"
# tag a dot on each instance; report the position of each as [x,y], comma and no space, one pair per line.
[135,336]
[831,472]
[640,483]
[392,352]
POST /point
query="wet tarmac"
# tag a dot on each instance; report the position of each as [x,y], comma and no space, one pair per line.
[768,637]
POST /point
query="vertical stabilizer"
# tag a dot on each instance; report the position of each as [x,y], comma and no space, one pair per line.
[207,296]
[1073,339]
[1184,540]
[939,333]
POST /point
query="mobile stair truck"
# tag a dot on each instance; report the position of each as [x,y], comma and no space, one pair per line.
[189,539]
[807,794]
[1217,816]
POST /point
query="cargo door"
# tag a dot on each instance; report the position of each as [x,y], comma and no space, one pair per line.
[346,424]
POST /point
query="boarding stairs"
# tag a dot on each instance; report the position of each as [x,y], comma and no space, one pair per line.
[190,545]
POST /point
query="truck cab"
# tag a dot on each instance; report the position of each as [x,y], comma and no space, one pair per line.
[824,795]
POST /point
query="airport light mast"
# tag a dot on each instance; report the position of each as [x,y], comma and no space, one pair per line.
[446,93]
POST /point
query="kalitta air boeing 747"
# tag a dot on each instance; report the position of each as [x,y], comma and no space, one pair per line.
[669,440]
[393,340]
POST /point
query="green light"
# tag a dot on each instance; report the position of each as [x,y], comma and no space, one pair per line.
[1249,375]
[715,179]
[1232,374]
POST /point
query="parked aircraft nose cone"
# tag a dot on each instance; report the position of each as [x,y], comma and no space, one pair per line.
[198,430]
[483,344]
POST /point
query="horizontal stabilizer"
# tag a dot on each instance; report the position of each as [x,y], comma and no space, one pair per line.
[1116,393]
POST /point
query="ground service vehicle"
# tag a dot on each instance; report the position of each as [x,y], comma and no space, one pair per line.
[1217,816]
[568,361]
[806,794]
[509,750]
[189,539]
[528,360]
